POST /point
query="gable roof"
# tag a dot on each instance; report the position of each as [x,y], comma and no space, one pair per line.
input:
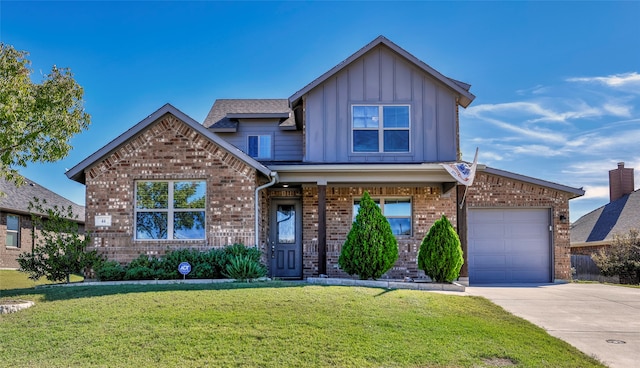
[599,226]
[77,172]
[576,192]
[460,88]
[224,113]
[16,199]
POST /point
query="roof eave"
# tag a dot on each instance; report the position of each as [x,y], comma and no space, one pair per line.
[576,192]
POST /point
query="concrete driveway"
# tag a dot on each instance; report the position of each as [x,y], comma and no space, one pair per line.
[602,321]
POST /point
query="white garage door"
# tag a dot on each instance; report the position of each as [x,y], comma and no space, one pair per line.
[509,246]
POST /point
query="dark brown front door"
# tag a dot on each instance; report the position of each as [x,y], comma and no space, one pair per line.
[286,238]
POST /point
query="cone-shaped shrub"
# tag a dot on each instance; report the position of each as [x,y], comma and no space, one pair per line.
[440,253]
[371,248]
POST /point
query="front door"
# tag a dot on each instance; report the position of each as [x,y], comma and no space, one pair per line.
[286,238]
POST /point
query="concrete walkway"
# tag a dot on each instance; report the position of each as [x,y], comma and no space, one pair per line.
[602,321]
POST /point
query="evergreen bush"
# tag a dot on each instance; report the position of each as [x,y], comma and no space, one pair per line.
[371,249]
[440,254]
[109,271]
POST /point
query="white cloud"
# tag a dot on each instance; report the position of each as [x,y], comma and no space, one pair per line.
[629,81]
[595,192]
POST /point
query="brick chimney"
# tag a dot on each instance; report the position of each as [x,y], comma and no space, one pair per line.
[620,182]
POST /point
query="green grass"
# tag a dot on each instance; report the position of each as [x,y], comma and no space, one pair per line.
[10,279]
[273,324]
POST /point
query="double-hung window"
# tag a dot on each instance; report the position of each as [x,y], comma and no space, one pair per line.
[13,231]
[397,212]
[380,128]
[170,210]
[259,146]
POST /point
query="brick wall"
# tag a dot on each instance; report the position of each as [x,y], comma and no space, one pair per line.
[169,150]
[427,204]
[8,255]
[493,191]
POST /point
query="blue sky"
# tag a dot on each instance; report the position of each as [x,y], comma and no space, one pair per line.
[557,83]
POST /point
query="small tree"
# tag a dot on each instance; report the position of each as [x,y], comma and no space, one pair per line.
[60,249]
[621,258]
[371,248]
[440,254]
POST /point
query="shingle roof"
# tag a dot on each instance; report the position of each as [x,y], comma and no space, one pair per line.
[16,199]
[600,225]
[77,172]
[218,117]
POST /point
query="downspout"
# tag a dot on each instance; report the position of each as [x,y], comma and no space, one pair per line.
[274,180]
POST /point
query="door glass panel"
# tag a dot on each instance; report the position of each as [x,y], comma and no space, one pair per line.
[286,227]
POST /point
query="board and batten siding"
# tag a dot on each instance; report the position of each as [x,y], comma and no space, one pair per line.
[381,77]
[286,144]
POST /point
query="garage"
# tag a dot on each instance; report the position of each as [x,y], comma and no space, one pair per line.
[509,246]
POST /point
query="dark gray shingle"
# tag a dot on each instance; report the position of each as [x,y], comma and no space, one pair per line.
[16,199]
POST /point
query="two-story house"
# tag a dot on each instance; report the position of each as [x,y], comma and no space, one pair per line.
[286,175]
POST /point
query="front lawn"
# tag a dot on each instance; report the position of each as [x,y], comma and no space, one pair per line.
[274,324]
[10,279]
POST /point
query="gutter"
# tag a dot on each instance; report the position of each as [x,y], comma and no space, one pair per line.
[274,180]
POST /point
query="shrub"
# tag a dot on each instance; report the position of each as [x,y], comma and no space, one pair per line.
[244,267]
[371,248]
[440,254]
[59,249]
[109,271]
[141,273]
[621,258]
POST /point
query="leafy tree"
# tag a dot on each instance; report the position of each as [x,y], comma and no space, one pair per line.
[60,250]
[36,120]
[440,254]
[371,248]
[621,258]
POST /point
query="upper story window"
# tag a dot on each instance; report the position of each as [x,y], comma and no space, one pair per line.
[170,210]
[380,128]
[13,231]
[397,212]
[259,146]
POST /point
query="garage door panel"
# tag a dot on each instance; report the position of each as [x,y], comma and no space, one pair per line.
[509,245]
[490,261]
[488,231]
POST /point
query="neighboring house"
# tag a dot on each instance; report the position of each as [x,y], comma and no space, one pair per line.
[287,174]
[597,229]
[15,218]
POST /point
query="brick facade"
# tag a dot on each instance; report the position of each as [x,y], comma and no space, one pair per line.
[494,191]
[428,205]
[169,150]
[9,255]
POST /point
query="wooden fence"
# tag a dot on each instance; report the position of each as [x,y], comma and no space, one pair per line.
[584,268]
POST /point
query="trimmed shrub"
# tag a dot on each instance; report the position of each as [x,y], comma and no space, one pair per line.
[371,248]
[109,271]
[440,254]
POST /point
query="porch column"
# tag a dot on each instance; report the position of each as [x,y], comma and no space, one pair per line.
[461,215]
[322,228]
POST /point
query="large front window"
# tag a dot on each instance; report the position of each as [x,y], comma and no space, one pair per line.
[13,231]
[397,212]
[380,128]
[170,209]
